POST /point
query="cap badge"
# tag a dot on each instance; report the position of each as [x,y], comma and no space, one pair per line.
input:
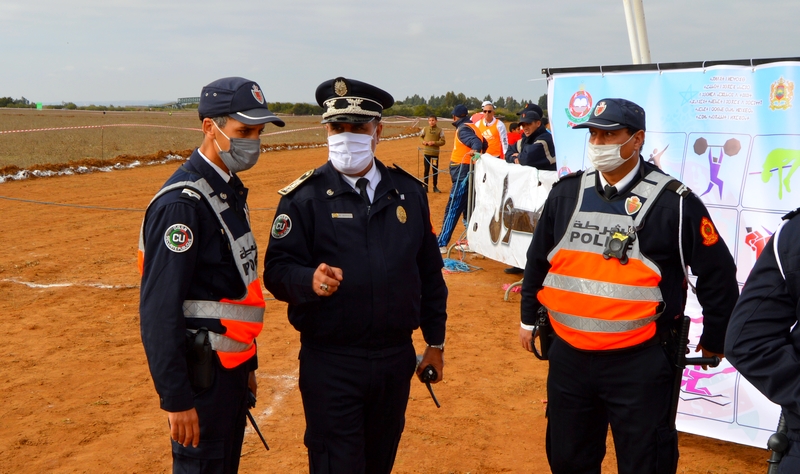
[257,94]
[401,215]
[601,107]
[340,87]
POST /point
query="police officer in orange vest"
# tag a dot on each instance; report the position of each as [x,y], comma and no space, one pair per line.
[608,262]
[201,304]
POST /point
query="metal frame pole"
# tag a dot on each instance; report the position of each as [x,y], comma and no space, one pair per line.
[632,38]
[641,32]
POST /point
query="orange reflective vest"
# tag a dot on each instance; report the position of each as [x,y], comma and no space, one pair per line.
[462,154]
[492,135]
[242,318]
[598,303]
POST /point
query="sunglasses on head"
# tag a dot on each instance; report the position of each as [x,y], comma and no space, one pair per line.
[488,111]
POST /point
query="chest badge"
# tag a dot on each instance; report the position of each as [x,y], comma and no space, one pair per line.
[632,205]
[401,215]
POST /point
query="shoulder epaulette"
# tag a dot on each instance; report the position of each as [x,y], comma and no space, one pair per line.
[190,193]
[678,188]
[400,170]
[574,174]
[296,183]
[791,214]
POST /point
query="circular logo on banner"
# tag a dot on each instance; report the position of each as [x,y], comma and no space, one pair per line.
[281,227]
[178,238]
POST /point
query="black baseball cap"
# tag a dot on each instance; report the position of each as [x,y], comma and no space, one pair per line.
[614,114]
[533,107]
[238,98]
[351,101]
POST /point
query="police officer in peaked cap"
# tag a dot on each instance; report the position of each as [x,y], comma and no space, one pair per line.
[201,304]
[607,261]
[352,252]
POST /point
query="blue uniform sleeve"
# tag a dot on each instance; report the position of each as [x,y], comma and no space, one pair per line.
[165,283]
[709,258]
[288,263]
[763,341]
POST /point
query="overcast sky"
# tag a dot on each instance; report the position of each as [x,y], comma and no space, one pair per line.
[107,51]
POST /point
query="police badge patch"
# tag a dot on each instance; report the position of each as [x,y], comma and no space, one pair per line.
[178,238]
[281,227]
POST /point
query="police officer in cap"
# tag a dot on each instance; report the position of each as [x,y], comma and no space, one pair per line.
[608,262]
[763,341]
[201,304]
[536,147]
[352,252]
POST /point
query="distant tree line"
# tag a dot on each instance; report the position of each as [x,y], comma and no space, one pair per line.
[20,103]
[299,108]
[442,106]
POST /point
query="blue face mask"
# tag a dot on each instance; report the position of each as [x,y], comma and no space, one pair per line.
[243,152]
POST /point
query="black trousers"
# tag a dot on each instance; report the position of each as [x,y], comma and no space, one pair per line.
[222,413]
[431,162]
[355,408]
[630,390]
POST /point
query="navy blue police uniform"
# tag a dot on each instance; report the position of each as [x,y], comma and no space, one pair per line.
[187,264]
[537,149]
[356,356]
[629,388]
[763,341]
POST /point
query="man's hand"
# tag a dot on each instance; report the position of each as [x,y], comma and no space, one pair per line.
[252,383]
[326,280]
[435,357]
[706,353]
[184,427]
[526,339]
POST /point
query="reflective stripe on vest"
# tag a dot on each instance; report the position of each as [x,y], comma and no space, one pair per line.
[597,303]
[462,154]
[242,318]
[492,135]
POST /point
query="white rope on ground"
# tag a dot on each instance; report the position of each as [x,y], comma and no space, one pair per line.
[102,286]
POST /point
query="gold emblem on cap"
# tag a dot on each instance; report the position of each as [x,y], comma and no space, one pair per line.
[401,215]
[340,87]
[329,192]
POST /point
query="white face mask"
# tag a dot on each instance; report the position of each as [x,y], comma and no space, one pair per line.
[606,158]
[350,153]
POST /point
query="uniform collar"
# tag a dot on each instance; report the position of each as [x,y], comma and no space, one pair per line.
[336,184]
[373,176]
[625,181]
[225,176]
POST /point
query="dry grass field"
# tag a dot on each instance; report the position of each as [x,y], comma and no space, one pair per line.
[76,392]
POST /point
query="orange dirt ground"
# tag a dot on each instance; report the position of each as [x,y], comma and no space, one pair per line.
[77,395]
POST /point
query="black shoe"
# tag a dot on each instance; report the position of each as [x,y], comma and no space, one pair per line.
[436,190]
[514,270]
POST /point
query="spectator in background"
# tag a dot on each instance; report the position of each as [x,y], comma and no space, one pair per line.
[536,148]
[493,130]
[467,144]
[513,134]
[432,139]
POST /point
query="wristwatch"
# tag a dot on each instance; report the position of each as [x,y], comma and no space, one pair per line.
[437,346]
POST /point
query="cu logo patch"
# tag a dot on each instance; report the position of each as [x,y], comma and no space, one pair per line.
[281,227]
[178,238]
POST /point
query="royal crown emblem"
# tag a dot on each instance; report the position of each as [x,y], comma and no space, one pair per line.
[780,94]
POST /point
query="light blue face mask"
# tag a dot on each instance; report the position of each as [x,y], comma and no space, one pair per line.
[242,155]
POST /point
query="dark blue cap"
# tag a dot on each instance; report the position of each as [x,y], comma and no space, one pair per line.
[530,115]
[533,107]
[238,98]
[460,110]
[351,101]
[614,114]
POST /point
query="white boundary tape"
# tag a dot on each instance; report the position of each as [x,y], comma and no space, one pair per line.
[103,286]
